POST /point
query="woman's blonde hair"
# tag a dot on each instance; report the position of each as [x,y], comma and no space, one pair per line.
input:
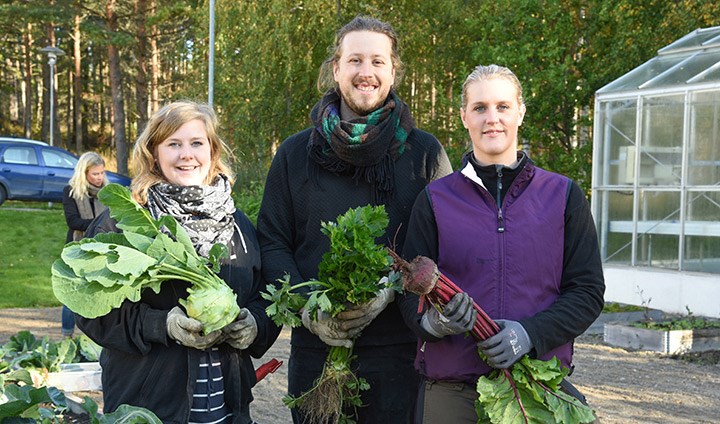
[162,125]
[486,72]
[78,182]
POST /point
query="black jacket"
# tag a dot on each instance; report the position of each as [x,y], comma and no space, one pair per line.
[293,207]
[142,366]
[72,215]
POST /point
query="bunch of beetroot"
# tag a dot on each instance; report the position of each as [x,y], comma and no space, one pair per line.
[526,393]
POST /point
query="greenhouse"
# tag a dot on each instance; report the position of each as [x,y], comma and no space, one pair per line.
[656,177]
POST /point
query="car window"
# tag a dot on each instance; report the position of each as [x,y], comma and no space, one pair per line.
[58,159]
[20,156]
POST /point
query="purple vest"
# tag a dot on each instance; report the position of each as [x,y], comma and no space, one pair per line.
[512,274]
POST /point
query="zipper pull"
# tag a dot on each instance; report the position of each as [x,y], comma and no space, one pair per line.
[501,222]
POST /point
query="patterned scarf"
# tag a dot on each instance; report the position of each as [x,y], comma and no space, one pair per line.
[365,147]
[88,207]
[206,212]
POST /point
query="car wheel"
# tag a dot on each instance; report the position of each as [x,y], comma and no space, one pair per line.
[3,195]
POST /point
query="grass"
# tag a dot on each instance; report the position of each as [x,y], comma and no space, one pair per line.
[30,240]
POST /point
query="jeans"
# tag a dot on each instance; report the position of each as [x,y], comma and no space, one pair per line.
[68,321]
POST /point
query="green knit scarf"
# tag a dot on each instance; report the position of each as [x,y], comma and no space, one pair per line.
[365,147]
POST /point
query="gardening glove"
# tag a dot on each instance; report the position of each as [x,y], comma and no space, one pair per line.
[327,328]
[355,318]
[508,346]
[457,317]
[188,331]
[242,332]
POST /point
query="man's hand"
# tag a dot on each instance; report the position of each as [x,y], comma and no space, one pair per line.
[508,346]
[458,316]
[188,331]
[327,328]
[354,319]
[242,332]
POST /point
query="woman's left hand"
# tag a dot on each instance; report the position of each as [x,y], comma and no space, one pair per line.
[242,332]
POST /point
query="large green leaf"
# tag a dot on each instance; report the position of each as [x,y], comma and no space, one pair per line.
[90,298]
[129,215]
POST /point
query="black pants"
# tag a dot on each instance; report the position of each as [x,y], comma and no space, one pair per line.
[388,370]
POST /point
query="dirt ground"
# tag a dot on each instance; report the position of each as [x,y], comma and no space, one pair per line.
[622,386]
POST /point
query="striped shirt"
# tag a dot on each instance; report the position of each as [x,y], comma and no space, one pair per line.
[208,406]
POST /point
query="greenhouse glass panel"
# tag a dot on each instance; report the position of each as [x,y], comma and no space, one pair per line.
[658,229]
[702,233]
[662,140]
[618,123]
[686,70]
[642,74]
[704,152]
[702,37]
[616,232]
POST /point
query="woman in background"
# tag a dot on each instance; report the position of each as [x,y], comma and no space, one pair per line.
[81,206]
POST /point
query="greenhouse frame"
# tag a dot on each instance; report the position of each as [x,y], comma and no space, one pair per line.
[656,178]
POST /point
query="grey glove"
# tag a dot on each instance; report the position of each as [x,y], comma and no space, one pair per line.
[188,331]
[458,316]
[354,319]
[242,332]
[327,328]
[508,346]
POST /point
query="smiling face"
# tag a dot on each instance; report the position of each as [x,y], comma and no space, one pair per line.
[96,175]
[492,116]
[185,157]
[364,71]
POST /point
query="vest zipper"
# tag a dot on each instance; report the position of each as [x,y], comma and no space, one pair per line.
[501,222]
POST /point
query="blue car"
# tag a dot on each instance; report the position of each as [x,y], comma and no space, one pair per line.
[34,170]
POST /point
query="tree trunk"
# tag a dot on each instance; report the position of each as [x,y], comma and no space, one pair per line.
[27,59]
[141,92]
[77,84]
[116,88]
[155,66]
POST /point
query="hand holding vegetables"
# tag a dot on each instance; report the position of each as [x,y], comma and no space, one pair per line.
[242,332]
[457,317]
[508,346]
[327,328]
[187,331]
[355,318]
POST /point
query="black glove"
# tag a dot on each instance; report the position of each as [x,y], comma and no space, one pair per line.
[458,316]
[508,346]
[188,331]
[242,332]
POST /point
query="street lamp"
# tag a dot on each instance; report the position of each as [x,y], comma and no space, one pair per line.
[52,52]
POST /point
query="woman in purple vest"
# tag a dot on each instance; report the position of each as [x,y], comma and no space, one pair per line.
[518,239]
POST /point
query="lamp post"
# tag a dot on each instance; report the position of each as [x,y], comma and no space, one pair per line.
[52,52]
[211,54]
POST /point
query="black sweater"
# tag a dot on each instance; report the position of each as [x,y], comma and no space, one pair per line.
[293,207]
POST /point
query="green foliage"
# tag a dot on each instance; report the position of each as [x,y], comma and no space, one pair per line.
[684,322]
[24,350]
[348,274]
[529,393]
[96,275]
[612,307]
